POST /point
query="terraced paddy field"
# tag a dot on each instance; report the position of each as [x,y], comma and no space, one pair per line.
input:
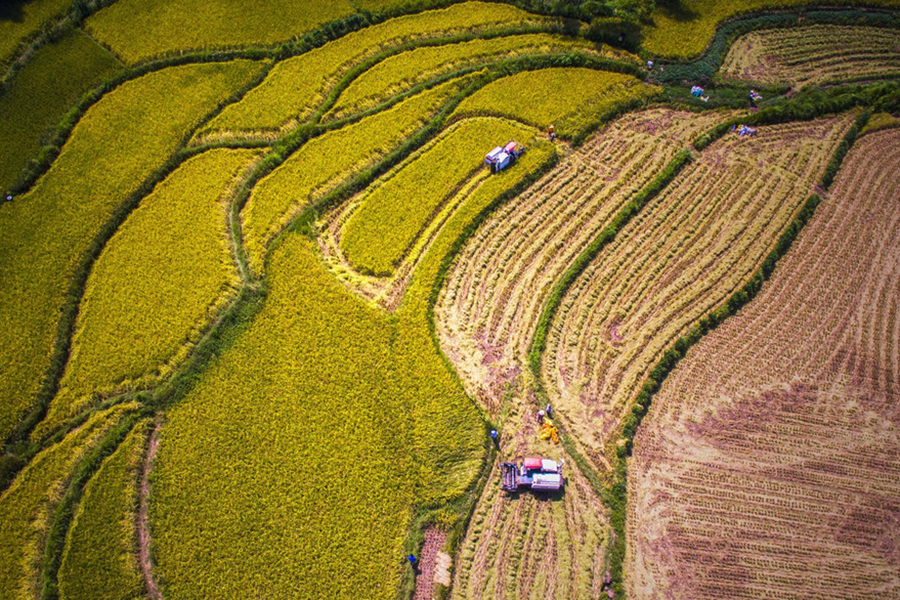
[765,466]
[814,54]
[271,325]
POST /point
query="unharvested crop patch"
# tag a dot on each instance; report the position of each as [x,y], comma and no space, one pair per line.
[488,309]
[159,281]
[329,160]
[119,142]
[812,55]
[683,255]
[401,72]
[297,86]
[767,465]
[575,100]
[382,224]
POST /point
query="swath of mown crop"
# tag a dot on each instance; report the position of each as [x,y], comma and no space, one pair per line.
[685,253]
[159,281]
[99,560]
[488,309]
[119,142]
[533,547]
[27,506]
[401,72]
[574,100]
[383,223]
[812,55]
[767,465]
[326,161]
[296,86]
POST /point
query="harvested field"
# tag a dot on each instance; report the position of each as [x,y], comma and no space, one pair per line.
[489,306]
[767,465]
[683,255]
[816,54]
[297,86]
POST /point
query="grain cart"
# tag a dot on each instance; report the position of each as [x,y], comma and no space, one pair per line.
[503,156]
[538,474]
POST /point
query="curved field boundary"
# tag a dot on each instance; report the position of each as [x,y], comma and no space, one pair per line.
[707,65]
[807,372]
[814,55]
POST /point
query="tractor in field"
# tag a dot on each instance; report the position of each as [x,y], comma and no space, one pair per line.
[538,474]
[503,156]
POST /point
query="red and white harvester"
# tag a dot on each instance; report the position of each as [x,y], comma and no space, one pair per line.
[534,473]
[503,156]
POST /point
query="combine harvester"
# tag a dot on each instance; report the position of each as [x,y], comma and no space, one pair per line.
[503,156]
[534,473]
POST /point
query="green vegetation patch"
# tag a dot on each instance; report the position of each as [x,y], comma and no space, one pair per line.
[159,281]
[136,30]
[401,72]
[118,144]
[683,28]
[574,100]
[21,20]
[326,161]
[296,86]
[99,561]
[26,507]
[40,94]
[389,218]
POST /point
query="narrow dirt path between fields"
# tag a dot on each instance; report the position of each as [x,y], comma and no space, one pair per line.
[143,522]
[434,565]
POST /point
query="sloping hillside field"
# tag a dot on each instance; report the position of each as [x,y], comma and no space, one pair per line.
[290,291]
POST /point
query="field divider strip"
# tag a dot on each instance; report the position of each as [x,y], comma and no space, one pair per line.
[618,490]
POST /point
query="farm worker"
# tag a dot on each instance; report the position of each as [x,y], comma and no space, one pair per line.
[8,198]
[649,65]
[549,411]
[493,434]
[540,417]
[412,560]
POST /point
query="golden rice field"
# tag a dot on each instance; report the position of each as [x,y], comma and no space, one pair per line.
[271,325]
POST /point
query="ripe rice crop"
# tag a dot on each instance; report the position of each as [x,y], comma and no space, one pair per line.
[14,31]
[323,416]
[768,460]
[99,561]
[27,506]
[329,160]
[683,255]
[813,55]
[403,71]
[41,92]
[683,30]
[159,281]
[137,30]
[387,219]
[119,142]
[572,99]
[295,87]
[488,310]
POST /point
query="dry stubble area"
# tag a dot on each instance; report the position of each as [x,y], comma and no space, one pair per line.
[493,297]
[682,256]
[767,467]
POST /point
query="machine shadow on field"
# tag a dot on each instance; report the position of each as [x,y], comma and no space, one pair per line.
[13,10]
